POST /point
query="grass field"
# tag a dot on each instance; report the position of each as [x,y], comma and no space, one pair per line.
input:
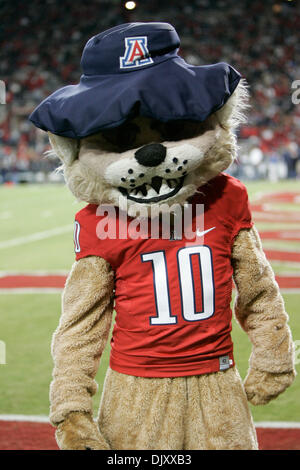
[28,320]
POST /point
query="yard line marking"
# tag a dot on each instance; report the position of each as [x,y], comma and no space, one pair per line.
[5,215]
[275,216]
[282,250]
[45,419]
[292,290]
[286,274]
[36,236]
[287,235]
[33,290]
[278,424]
[291,264]
[46,214]
[28,418]
[283,290]
[291,197]
[57,272]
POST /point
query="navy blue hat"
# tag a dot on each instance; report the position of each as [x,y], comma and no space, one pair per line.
[131,69]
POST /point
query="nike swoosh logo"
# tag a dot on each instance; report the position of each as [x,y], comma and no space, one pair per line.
[201,234]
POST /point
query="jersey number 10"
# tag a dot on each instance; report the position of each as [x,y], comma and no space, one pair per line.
[186,281]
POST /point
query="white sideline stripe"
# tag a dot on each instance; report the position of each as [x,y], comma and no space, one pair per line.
[58,272]
[280,249]
[32,290]
[288,274]
[36,236]
[278,424]
[45,419]
[283,290]
[25,418]
[292,290]
[294,264]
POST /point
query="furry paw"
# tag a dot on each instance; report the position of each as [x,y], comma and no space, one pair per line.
[79,432]
[261,387]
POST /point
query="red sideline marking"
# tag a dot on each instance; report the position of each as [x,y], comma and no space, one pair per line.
[263,213]
[275,255]
[278,439]
[265,208]
[23,281]
[290,197]
[292,235]
[257,207]
[276,216]
[31,282]
[16,435]
[288,282]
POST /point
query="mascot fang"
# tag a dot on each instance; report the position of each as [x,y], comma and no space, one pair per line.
[144,130]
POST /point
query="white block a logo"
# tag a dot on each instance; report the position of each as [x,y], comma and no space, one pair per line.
[136,53]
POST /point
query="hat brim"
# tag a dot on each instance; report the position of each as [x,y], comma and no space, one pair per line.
[166,91]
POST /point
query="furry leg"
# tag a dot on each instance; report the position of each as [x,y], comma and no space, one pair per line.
[142,413]
[218,416]
[199,412]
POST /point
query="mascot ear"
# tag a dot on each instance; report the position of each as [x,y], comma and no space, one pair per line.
[232,114]
[64,147]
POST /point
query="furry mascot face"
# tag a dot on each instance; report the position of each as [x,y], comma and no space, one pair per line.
[147,162]
[154,155]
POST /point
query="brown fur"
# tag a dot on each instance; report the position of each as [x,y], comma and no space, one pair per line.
[80,337]
[259,308]
[80,432]
[170,413]
[209,411]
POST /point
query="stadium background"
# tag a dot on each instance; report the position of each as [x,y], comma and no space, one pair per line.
[40,47]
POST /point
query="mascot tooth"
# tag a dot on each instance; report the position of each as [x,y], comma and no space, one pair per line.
[144,130]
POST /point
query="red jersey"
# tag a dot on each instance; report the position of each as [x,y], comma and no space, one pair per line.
[172,296]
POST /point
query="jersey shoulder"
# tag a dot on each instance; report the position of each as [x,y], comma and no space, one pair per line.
[229,190]
[87,213]
[228,198]
[232,185]
[222,190]
[236,203]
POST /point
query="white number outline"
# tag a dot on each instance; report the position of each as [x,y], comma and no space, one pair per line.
[173,318]
[205,293]
[76,236]
[210,295]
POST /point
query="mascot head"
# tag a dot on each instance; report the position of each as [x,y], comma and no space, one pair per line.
[143,127]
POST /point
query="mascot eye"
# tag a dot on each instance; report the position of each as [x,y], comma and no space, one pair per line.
[123,136]
[177,130]
[173,130]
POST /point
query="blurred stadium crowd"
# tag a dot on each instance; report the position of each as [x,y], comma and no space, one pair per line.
[41,42]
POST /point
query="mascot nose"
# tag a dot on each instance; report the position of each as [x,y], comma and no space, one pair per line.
[151,154]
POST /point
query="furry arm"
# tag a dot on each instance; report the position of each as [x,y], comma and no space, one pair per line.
[80,338]
[259,308]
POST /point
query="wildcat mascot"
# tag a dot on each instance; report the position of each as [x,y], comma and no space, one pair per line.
[145,130]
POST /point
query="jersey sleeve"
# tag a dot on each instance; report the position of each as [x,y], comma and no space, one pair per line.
[86,242]
[242,217]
